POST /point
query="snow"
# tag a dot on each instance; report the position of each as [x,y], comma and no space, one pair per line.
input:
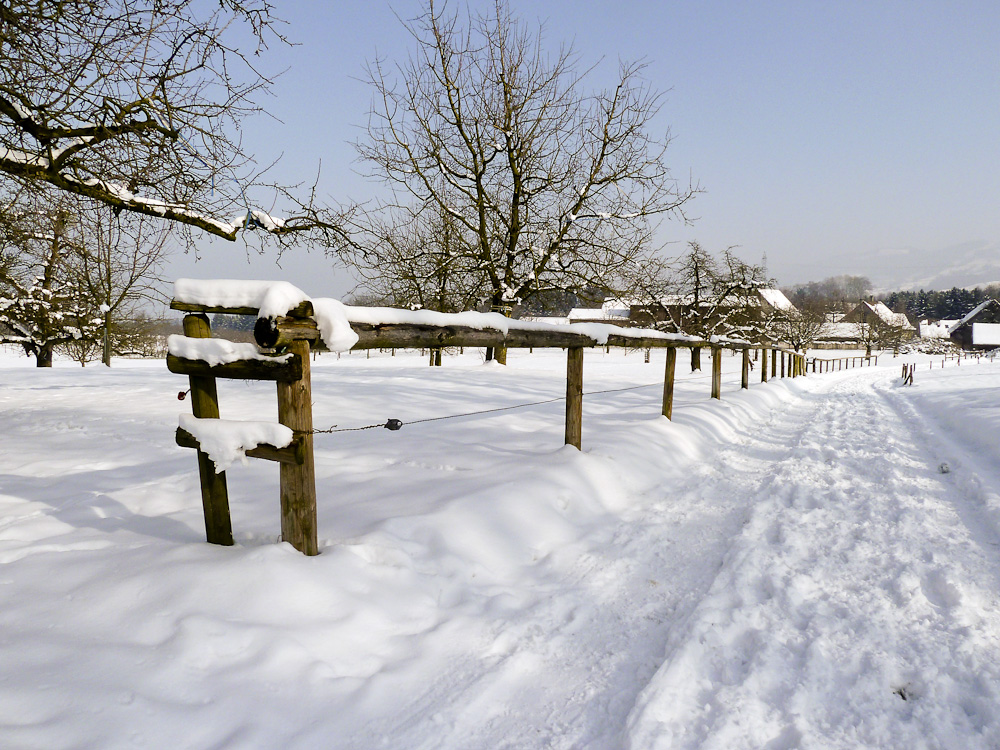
[599,332]
[973,313]
[272,299]
[776,299]
[216,351]
[813,563]
[986,334]
[940,329]
[334,327]
[227,440]
[23,157]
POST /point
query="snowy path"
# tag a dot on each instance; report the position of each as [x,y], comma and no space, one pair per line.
[858,608]
[565,671]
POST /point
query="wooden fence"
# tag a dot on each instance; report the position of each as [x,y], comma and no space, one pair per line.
[842,363]
[292,335]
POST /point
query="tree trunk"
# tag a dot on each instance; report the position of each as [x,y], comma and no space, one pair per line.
[43,357]
[499,352]
[106,354]
[695,358]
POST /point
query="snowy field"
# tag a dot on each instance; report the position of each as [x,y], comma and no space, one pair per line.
[811,564]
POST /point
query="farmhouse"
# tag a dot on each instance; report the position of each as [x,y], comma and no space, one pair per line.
[612,311]
[938,329]
[877,314]
[980,329]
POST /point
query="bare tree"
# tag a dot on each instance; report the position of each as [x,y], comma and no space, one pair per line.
[557,188]
[41,303]
[119,265]
[799,327]
[874,332]
[421,259]
[706,296]
[136,104]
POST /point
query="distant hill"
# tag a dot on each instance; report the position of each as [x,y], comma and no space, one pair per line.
[967,265]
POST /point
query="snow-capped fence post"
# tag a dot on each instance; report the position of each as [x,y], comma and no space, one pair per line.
[668,382]
[782,355]
[717,372]
[574,397]
[298,480]
[774,363]
[205,405]
[763,364]
[745,373]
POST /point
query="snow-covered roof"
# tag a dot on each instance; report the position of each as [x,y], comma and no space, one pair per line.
[776,299]
[890,317]
[838,332]
[885,314]
[616,308]
[940,329]
[979,308]
[586,313]
[610,310]
[986,334]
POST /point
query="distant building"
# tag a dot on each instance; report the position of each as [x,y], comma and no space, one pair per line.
[868,325]
[612,311]
[753,304]
[876,313]
[939,329]
[980,329]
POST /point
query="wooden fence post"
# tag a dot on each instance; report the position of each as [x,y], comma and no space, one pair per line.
[774,363]
[574,397]
[205,405]
[782,354]
[717,372]
[745,380]
[668,383]
[298,481]
[763,364]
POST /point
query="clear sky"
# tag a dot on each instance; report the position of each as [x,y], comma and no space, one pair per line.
[847,136]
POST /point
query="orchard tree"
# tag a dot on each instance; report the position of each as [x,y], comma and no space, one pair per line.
[42,304]
[556,187]
[421,259]
[704,295]
[137,104]
[799,327]
[118,263]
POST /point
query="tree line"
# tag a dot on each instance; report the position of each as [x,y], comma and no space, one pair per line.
[953,304]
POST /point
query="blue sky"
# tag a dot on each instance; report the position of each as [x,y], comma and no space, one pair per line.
[834,137]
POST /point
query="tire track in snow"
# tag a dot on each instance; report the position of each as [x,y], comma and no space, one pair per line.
[856,609]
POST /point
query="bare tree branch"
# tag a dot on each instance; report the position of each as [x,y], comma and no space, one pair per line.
[137,103]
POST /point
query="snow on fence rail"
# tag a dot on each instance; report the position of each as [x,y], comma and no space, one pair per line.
[289,323]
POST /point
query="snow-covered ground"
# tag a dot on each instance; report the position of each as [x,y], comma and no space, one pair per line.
[810,564]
